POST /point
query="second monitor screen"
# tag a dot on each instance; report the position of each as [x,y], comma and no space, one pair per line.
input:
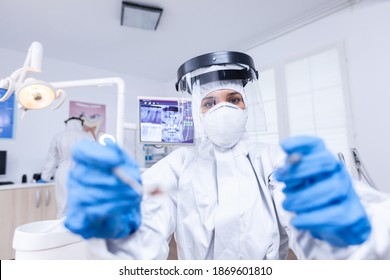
[163,121]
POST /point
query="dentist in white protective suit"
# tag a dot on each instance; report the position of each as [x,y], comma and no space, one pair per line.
[226,197]
[58,160]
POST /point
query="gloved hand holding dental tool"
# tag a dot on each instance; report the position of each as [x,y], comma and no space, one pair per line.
[320,192]
[104,192]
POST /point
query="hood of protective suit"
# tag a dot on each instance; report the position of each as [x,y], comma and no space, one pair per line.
[74,124]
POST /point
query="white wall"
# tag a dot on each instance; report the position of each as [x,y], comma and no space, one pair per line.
[28,148]
[364,32]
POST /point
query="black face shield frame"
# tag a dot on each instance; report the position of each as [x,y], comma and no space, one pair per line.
[217,58]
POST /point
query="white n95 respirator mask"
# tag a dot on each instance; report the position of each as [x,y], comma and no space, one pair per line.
[224,124]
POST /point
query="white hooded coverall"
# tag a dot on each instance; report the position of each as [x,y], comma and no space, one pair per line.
[58,160]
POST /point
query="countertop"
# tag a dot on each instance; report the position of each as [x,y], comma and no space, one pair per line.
[26,185]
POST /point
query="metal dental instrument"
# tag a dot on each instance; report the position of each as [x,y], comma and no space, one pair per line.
[361,170]
[294,158]
[118,171]
[137,187]
[291,160]
[341,158]
[125,178]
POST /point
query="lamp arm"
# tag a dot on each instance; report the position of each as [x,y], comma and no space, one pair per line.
[60,93]
[104,82]
[33,61]
[10,90]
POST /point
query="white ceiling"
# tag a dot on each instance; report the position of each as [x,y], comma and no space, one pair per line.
[88,32]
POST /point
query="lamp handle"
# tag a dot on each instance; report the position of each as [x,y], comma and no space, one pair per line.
[59,93]
[11,85]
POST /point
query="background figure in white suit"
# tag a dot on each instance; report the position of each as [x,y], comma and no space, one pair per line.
[58,160]
[221,199]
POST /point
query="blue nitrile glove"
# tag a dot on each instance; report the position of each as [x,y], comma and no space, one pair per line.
[320,192]
[42,181]
[99,203]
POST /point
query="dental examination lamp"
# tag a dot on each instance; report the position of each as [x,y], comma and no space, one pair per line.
[31,93]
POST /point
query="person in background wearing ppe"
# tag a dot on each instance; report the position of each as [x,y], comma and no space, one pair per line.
[58,160]
[226,197]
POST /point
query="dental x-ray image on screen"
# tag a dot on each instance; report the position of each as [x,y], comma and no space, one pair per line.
[163,121]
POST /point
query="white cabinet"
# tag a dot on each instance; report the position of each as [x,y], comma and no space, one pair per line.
[22,205]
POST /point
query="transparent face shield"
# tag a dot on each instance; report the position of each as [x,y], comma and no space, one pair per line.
[202,89]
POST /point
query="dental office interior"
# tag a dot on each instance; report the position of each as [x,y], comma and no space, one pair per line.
[323,72]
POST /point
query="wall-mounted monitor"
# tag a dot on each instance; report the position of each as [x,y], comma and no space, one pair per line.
[3,162]
[162,121]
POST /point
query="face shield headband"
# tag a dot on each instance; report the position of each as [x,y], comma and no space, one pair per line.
[244,75]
